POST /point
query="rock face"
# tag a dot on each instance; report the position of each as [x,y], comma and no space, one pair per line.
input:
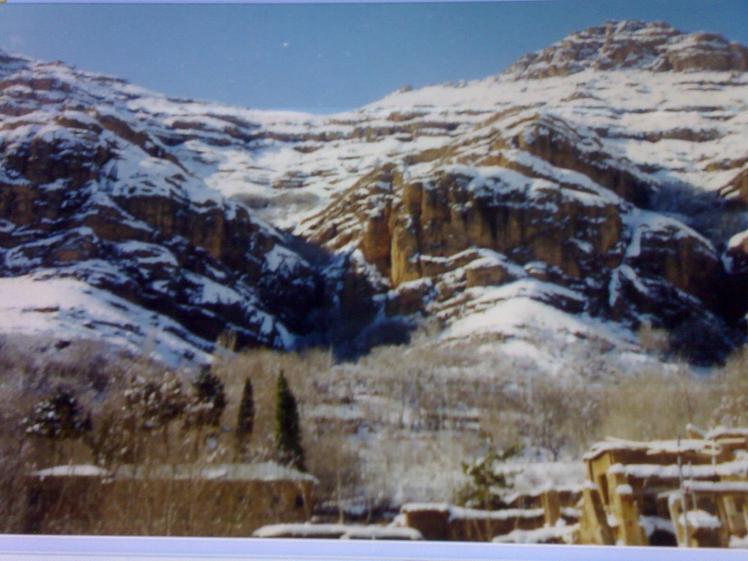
[445,239]
[632,45]
[572,196]
[86,193]
[603,178]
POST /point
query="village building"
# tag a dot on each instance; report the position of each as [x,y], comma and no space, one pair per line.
[683,492]
[176,500]
[544,509]
[674,492]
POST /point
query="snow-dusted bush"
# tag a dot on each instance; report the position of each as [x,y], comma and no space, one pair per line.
[58,417]
[488,484]
[153,403]
[208,401]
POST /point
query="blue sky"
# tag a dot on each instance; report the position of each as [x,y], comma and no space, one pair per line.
[322,57]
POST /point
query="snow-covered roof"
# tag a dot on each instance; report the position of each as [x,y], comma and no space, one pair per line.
[343,531]
[265,471]
[381,533]
[425,507]
[726,432]
[653,447]
[673,471]
[301,530]
[738,542]
[651,524]
[537,535]
[716,486]
[544,489]
[700,519]
[462,513]
[82,470]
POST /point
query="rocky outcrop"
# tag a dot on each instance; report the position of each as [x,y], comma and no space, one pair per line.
[437,202]
[737,187]
[89,195]
[460,228]
[556,142]
[654,46]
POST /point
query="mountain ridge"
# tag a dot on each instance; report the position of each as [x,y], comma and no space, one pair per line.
[632,44]
[454,203]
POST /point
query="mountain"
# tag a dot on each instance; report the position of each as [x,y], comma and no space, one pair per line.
[594,186]
[105,232]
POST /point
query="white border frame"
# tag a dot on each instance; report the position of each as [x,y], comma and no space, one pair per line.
[121,548]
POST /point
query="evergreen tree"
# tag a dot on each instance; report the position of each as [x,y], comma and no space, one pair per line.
[246,418]
[287,427]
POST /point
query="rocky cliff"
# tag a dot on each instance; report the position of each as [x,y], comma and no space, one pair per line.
[602,178]
[90,191]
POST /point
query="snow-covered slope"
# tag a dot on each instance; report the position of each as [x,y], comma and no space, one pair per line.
[91,190]
[592,186]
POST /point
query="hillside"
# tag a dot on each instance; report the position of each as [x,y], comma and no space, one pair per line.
[593,187]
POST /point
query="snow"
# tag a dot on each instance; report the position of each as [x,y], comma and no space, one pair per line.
[716,486]
[425,507]
[69,308]
[261,471]
[212,292]
[334,531]
[538,535]
[381,533]
[651,524]
[632,114]
[301,531]
[673,471]
[738,542]
[644,221]
[652,447]
[727,432]
[737,240]
[148,253]
[510,308]
[280,257]
[700,519]
[538,477]
[83,470]
[624,489]
[462,513]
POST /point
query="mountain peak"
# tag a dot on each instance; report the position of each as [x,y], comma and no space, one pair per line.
[631,44]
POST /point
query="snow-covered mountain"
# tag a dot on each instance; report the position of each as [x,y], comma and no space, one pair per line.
[595,185]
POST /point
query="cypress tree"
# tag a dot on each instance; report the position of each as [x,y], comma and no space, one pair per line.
[246,418]
[287,427]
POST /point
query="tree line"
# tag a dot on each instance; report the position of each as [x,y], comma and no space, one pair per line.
[154,406]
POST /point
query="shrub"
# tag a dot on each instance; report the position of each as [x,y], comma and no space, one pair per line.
[58,417]
[209,401]
[488,483]
[153,404]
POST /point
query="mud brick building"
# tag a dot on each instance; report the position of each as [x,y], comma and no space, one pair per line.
[177,500]
[673,492]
